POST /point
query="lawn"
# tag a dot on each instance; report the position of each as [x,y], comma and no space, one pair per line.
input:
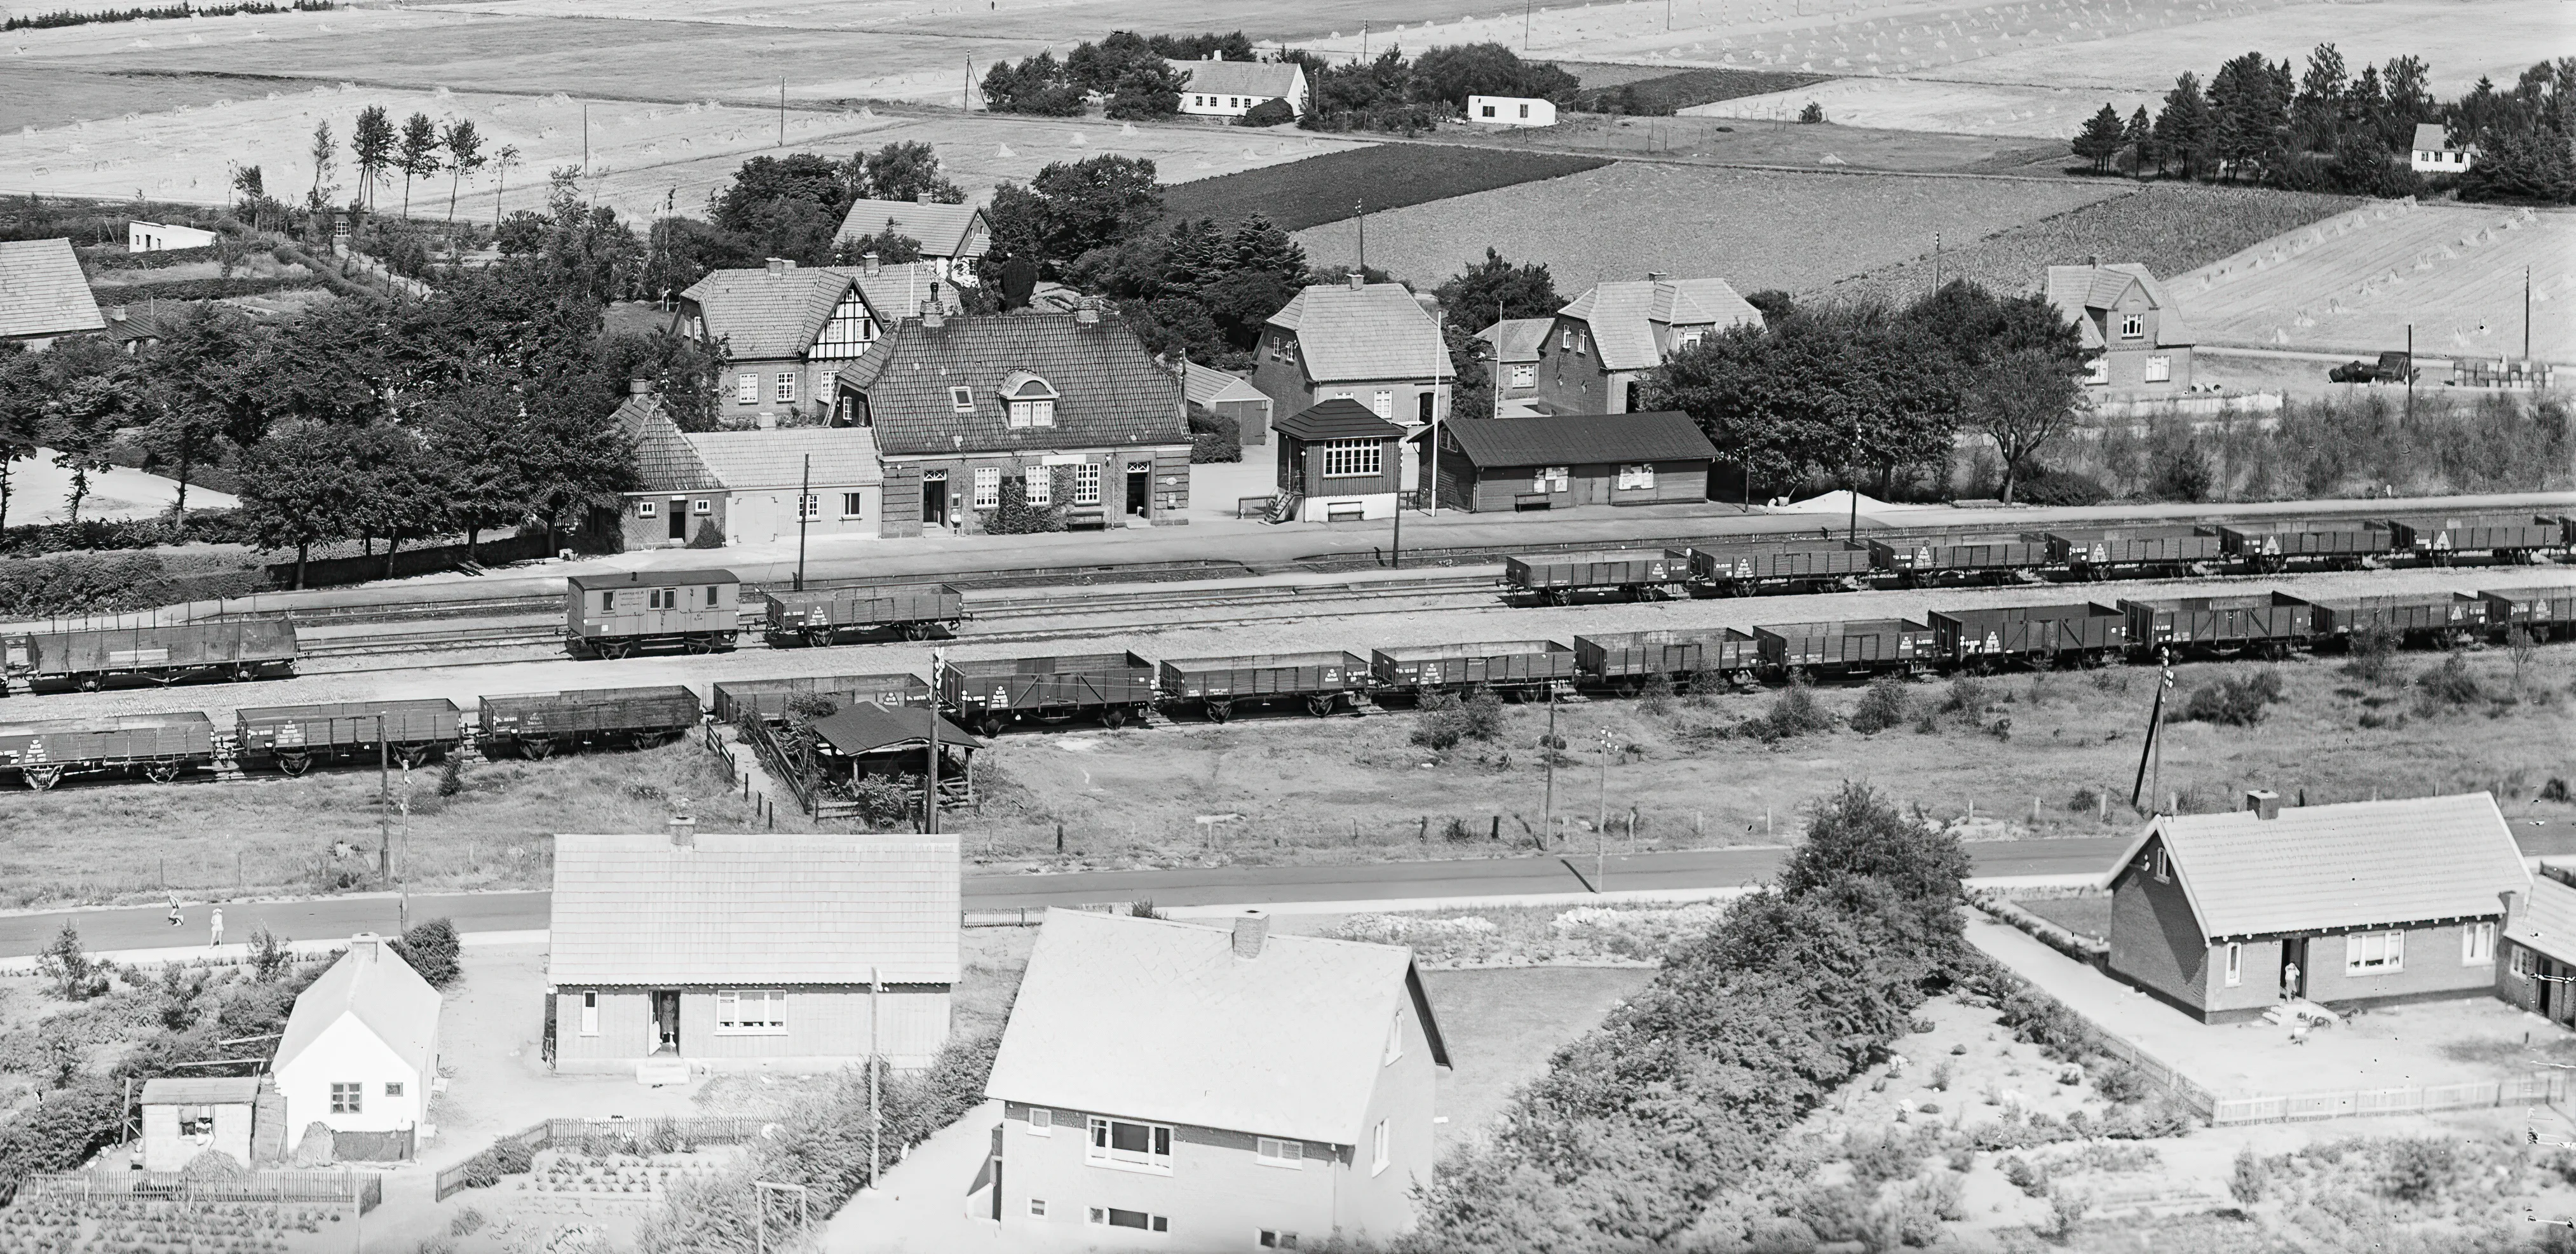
[1327,188]
[1502,1025]
[2170,227]
[1757,229]
[2087,915]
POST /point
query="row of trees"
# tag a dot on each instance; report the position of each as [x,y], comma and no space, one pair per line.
[1133,76]
[793,207]
[1131,73]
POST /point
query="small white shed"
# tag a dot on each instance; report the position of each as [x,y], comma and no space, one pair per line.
[361,1047]
[186,1116]
[157,237]
[1511,111]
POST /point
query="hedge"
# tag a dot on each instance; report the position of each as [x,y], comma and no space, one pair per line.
[213,526]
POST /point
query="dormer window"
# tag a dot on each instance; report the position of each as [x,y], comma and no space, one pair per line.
[962,400]
[1029,399]
[2132,327]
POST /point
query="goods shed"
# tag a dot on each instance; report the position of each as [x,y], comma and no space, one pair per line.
[1565,460]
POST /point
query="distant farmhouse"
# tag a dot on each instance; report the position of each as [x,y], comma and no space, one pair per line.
[155,237]
[2133,333]
[2356,903]
[2434,154]
[956,236]
[1170,1085]
[1230,89]
[43,294]
[1604,342]
[1510,111]
[791,330]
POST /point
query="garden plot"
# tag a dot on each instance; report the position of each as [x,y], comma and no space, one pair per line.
[51,1222]
[2354,282]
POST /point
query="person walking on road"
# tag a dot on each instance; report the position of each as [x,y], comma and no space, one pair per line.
[176,918]
[218,940]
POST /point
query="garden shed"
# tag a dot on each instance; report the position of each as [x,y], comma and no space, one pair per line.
[187,1116]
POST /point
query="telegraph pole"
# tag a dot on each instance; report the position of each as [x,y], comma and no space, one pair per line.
[2410,374]
[782,110]
[930,799]
[876,1116]
[2526,319]
[1547,803]
[1360,207]
[804,495]
[1601,824]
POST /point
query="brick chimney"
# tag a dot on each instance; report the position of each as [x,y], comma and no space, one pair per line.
[1251,928]
[2265,803]
[1359,282]
[684,832]
[1088,315]
[2512,906]
[639,387]
[921,198]
[368,946]
[868,264]
[780,265]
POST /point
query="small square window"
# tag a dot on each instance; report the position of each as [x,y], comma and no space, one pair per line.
[1274,1152]
[962,400]
[647,509]
[702,508]
[1037,1208]
[1041,1121]
[851,503]
[348,1099]
[393,1088]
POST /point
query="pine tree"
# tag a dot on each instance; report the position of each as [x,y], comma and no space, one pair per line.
[371,141]
[2139,141]
[2183,127]
[2100,138]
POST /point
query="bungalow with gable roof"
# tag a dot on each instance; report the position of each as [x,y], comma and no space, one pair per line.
[2539,968]
[43,294]
[745,485]
[2133,333]
[2433,152]
[2356,903]
[1230,89]
[674,954]
[1073,410]
[789,330]
[956,236]
[359,1052]
[1172,1085]
[1223,394]
[1602,343]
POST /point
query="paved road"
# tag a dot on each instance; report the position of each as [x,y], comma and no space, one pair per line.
[145,927]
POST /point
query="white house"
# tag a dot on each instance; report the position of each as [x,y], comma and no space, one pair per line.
[160,237]
[1511,111]
[1230,89]
[2434,153]
[360,1049]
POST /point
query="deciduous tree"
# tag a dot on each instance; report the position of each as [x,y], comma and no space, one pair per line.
[2025,402]
[371,143]
[417,153]
[464,148]
[908,170]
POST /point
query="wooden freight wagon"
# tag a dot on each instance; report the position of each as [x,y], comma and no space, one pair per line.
[1323,681]
[2415,618]
[536,724]
[1791,566]
[766,699]
[2508,538]
[1863,647]
[830,615]
[611,616]
[296,736]
[1959,559]
[2341,543]
[234,649]
[2039,635]
[2168,550]
[2542,613]
[990,694]
[157,747]
[1638,574]
[2266,624]
[1688,658]
[1516,669]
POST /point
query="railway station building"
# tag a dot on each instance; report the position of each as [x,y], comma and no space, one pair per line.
[1371,343]
[1560,461]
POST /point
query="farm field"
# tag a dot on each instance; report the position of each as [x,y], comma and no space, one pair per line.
[1326,188]
[1681,89]
[1694,221]
[2171,227]
[1917,104]
[2354,283]
[1736,142]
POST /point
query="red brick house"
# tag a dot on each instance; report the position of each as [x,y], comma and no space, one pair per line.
[1605,341]
[2134,335]
[1369,342]
[960,405]
[2358,903]
[1512,347]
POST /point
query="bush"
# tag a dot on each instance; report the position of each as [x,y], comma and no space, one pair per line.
[1968,695]
[2246,1182]
[2418,1170]
[1656,697]
[1268,113]
[1445,720]
[1887,704]
[2059,487]
[2450,683]
[1015,516]
[2234,700]
[2181,473]
[1812,114]
[451,777]
[2374,652]
[431,949]
[1795,712]
[708,536]
[2026,1176]
[887,801]
[1214,438]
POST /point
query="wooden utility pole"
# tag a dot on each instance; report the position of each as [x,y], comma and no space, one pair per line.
[804,498]
[930,797]
[1547,802]
[876,1114]
[1601,823]
[782,110]
[1360,207]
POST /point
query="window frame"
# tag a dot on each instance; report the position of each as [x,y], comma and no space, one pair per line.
[1033,412]
[702,507]
[1275,1239]
[1037,1208]
[988,488]
[1361,457]
[1086,483]
[2235,963]
[854,504]
[2133,326]
[1037,484]
[2099,369]
[2521,962]
[648,508]
[773,1000]
[746,388]
[1394,1050]
[2159,368]
[1280,1152]
[2392,953]
[1041,1121]
[2477,944]
[809,507]
[393,1089]
[786,390]
[590,1012]
[1381,1149]
[1098,1149]
[1635,477]
[2160,864]
[1524,375]
[961,399]
[1383,403]
[349,1098]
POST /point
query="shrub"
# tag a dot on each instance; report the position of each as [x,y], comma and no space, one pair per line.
[431,949]
[2181,473]
[2059,487]
[1215,437]
[2234,700]
[1268,113]
[2119,1082]
[2246,1182]
[1657,696]
[708,536]
[2450,683]
[2027,1176]
[1887,704]
[2418,1170]
[451,777]
[1968,695]
[1874,1164]
[1795,712]
[1445,720]
[69,968]
[466,1223]
[1812,114]
[2374,651]
[1015,516]
[809,706]
[2066,1209]
[887,801]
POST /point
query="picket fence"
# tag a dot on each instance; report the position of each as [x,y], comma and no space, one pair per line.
[2539,1087]
[363,1189]
[700,1130]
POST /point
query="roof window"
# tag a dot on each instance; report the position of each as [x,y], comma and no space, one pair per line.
[962,399]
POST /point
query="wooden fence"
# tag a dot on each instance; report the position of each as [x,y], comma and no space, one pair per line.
[362,1189]
[696,1130]
[2543,1087]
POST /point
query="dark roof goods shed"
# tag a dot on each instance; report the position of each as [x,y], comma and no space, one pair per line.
[949,388]
[866,727]
[1575,439]
[1338,419]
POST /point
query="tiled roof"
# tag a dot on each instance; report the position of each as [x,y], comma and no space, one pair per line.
[375,984]
[764,314]
[1375,332]
[866,726]
[2546,920]
[2352,864]
[742,460]
[1206,385]
[1623,316]
[1572,439]
[1242,78]
[941,230]
[665,461]
[201,1091]
[1289,1043]
[774,909]
[1517,339]
[2075,290]
[42,290]
[1109,390]
[1340,418]
[2431,137]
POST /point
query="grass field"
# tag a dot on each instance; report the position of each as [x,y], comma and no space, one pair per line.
[1327,188]
[2171,227]
[1779,143]
[1668,93]
[1756,229]
[2354,284]
[2088,915]
[1917,104]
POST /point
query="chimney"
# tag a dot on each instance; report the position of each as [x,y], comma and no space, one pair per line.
[1088,315]
[921,198]
[1359,282]
[868,264]
[367,945]
[1658,276]
[639,387]
[780,265]
[1251,928]
[932,319]
[116,313]
[2265,803]
[2512,906]
[684,832]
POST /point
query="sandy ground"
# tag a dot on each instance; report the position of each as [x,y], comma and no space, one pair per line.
[40,491]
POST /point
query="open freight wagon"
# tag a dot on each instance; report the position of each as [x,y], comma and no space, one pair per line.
[2512,539]
[991,694]
[1519,670]
[1959,559]
[2135,552]
[1780,566]
[1860,647]
[821,616]
[2339,544]
[535,724]
[294,737]
[2029,635]
[766,699]
[2541,613]
[1637,574]
[2410,618]
[1323,682]
[157,747]
[1690,658]
[2262,624]
[90,657]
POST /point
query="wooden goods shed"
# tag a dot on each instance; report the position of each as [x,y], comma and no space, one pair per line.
[1565,460]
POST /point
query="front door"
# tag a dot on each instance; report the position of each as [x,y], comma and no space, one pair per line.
[666,1021]
[2294,968]
[679,518]
[1140,487]
[934,500]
